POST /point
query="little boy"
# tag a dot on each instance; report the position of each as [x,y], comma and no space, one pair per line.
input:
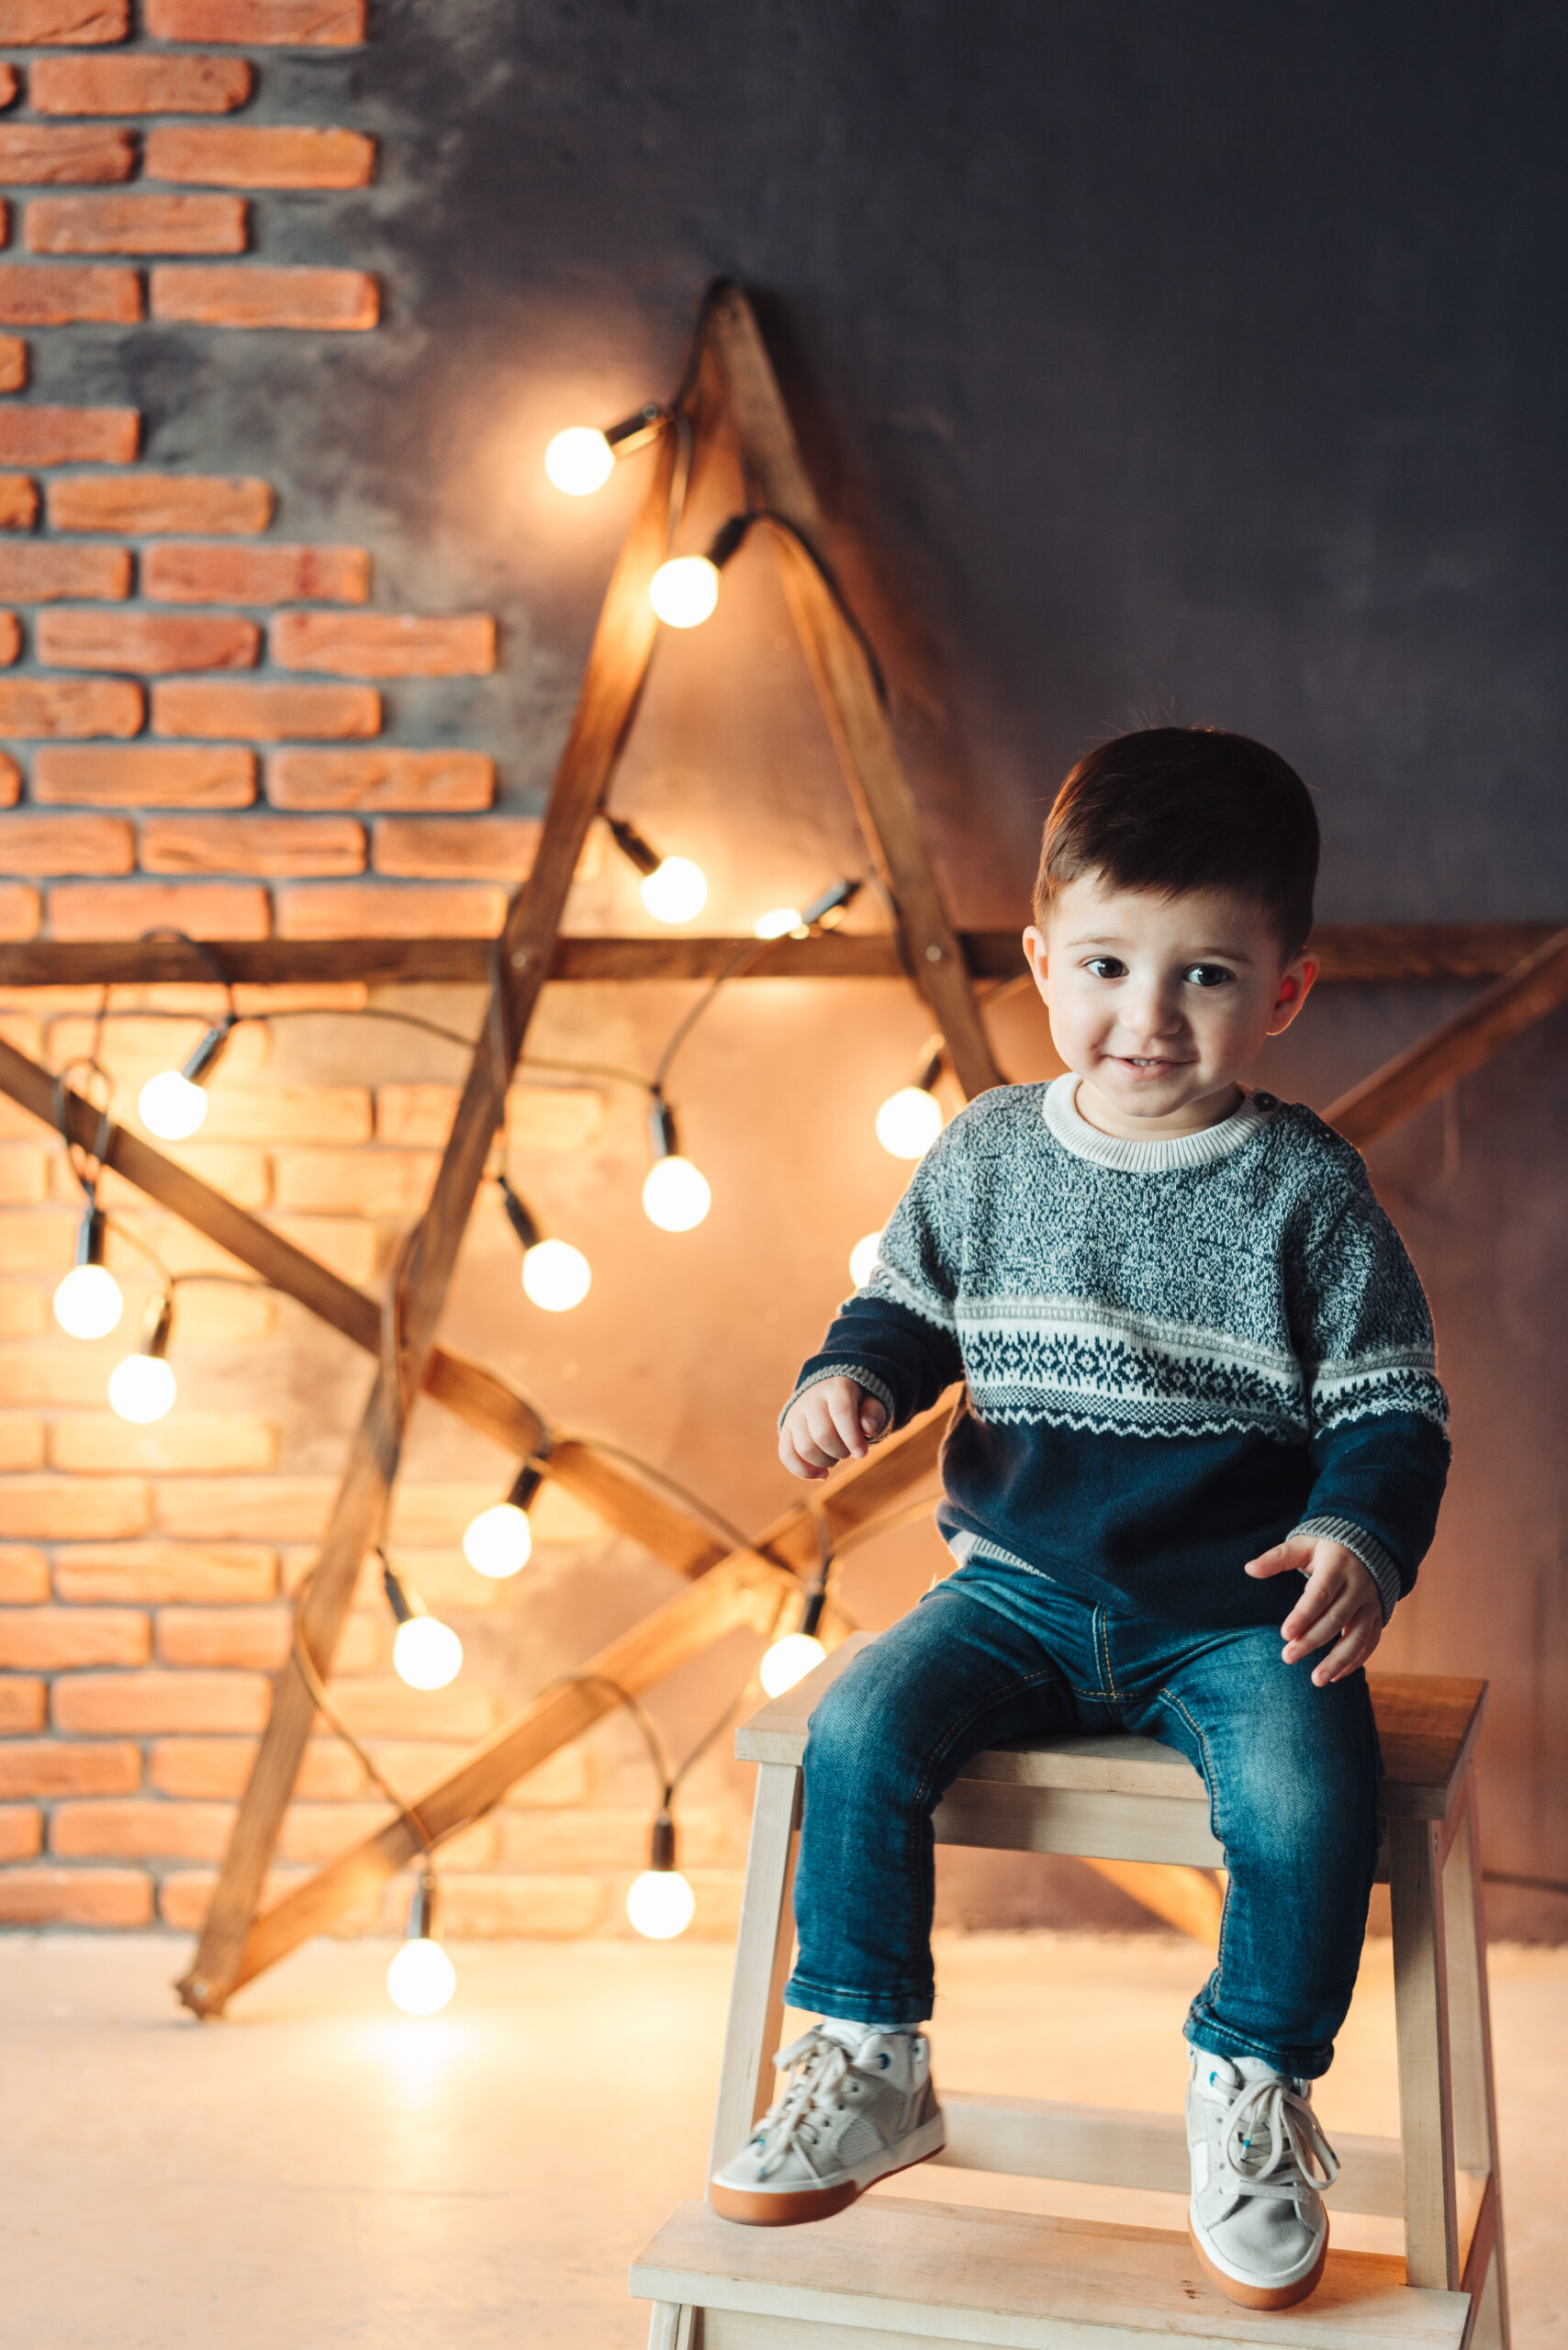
[1197,1358]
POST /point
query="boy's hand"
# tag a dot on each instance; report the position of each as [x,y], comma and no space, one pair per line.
[835,1420]
[1341,1603]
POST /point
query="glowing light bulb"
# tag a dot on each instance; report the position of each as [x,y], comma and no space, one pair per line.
[863,1259]
[778,923]
[427,1654]
[579,460]
[556,1275]
[170,1106]
[660,1903]
[909,1122]
[499,1541]
[675,891]
[421,1979]
[88,1304]
[142,1388]
[676,1195]
[684,591]
[789,1660]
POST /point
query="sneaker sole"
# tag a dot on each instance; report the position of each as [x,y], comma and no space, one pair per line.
[1258,2297]
[752,2207]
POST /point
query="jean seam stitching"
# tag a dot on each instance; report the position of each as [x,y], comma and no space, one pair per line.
[1169,1698]
[1029,1681]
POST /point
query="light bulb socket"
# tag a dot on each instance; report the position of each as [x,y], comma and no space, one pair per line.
[401,1597]
[811,1613]
[525,1484]
[159,1327]
[92,1236]
[634,431]
[422,1922]
[661,1843]
[204,1059]
[519,1216]
[930,1069]
[661,1130]
[728,539]
[828,909]
[637,851]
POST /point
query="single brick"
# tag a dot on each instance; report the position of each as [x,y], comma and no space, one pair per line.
[35,154]
[415,1116]
[32,24]
[23,1706]
[153,642]
[391,1709]
[154,503]
[50,1767]
[33,707]
[21,1832]
[543,1908]
[30,844]
[219,1767]
[13,362]
[60,1372]
[23,1313]
[386,644]
[23,1183]
[257,1638]
[186,1443]
[134,224]
[261,574]
[474,848]
[35,1243]
[276,1114]
[18,502]
[53,1639]
[340,300]
[24,1576]
[353,1182]
[291,845]
[10,82]
[10,642]
[146,1830]
[388,910]
[45,570]
[35,434]
[46,1897]
[282,155]
[288,24]
[157,776]
[234,1574]
[19,911]
[265,713]
[145,1705]
[21,1441]
[214,910]
[142,83]
[221,1509]
[448,781]
[35,294]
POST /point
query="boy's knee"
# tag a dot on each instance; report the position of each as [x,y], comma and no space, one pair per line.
[861,1730]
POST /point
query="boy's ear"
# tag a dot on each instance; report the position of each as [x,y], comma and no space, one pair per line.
[1295,986]
[1035,954]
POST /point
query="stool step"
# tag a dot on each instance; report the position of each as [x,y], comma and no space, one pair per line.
[902,2273]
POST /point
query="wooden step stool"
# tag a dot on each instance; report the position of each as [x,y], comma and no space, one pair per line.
[890,2274]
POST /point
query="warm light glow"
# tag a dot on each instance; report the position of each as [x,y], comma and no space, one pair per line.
[421,1978]
[684,591]
[863,1259]
[660,1903]
[677,891]
[909,1122]
[556,1275]
[142,1388]
[789,1660]
[171,1106]
[87,1304]
[427,1654]
[676,1196]
[499,1541]
[778,923]
[579,460]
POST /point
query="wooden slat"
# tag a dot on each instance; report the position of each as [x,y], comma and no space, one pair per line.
[611,686]
[763,1951]
[1425,2075]
[1412,1078]
[1009,1818]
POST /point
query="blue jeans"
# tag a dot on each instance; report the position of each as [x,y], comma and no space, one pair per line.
[992,1654]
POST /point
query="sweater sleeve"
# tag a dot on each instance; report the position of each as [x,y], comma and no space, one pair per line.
[1378,1418]
[897,1336]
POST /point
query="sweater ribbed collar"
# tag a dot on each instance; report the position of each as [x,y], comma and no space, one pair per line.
[1084,1141]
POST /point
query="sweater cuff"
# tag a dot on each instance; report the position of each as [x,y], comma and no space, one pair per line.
[862,1378]
[1378,1562]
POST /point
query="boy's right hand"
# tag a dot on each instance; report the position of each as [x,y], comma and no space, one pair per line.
[833,1421]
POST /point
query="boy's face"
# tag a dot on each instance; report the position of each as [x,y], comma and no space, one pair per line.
[1159,1004]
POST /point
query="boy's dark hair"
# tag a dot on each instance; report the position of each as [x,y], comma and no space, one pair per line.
[1173,808]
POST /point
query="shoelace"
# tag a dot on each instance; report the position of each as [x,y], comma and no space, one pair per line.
[1296,2142]
[816,2067]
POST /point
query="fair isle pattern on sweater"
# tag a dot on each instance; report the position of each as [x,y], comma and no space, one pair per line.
[1244,1281]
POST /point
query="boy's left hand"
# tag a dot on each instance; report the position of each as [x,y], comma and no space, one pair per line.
[1341,1603]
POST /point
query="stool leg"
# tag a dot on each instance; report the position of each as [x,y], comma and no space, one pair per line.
[763,1951]
[1476,2107]
[672,2325]
[1425,2075]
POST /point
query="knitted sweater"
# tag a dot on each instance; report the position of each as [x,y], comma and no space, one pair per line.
[1176,1353]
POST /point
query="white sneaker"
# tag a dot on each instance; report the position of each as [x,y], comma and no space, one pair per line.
[1255,2218]
[847,2118]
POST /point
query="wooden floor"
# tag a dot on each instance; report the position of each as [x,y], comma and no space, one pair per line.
[317,2173]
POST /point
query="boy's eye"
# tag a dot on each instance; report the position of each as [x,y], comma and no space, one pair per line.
[1105,967]
[1208,975]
